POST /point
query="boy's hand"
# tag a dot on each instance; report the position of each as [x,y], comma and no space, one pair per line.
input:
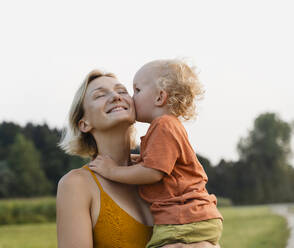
[103,165]
[135,158]
[135,174]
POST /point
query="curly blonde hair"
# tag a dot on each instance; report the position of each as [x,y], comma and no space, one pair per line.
[182,85]
[73,141]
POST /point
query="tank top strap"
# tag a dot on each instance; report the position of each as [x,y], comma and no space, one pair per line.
[94,177]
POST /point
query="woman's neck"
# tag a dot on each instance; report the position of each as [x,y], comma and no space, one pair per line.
[114,143]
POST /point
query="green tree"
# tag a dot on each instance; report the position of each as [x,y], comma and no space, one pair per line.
[263,172]
[54,162]
[6,179]
[8,131]
[210,171]
[24,164]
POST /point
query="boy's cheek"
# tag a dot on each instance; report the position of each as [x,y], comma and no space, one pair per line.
[134,100]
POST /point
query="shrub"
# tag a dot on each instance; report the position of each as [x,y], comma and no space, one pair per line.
[32,210]
[224,202]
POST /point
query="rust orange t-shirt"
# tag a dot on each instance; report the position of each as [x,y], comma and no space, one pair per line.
[180,197]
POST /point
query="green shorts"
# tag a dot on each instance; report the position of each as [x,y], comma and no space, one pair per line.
[207,230]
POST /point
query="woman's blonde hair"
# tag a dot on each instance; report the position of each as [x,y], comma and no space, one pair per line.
[182,85]
[74,141]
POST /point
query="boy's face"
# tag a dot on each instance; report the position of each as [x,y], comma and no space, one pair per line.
[145,93]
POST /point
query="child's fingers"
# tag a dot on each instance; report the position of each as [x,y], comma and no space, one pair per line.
[97,161]
[92,166]
[94,169]
[99,157]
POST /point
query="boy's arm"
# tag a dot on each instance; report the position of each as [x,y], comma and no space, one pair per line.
[134,174]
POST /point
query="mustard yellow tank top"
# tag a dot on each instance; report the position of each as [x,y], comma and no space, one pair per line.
[115,228]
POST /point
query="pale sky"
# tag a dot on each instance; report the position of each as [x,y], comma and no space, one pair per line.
[244,52]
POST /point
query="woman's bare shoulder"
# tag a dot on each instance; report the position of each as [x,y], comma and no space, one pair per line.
[74,176]
[73,204]
[75,182]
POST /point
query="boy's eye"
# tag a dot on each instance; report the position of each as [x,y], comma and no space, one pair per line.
[137,90]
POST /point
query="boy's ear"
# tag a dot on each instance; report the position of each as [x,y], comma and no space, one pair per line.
[84,126]
[161,98]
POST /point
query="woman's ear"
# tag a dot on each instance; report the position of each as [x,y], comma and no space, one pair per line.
[84,126]
[161,98]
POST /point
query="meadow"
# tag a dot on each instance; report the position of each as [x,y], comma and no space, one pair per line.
[244,227]
[28,236]
[255,226]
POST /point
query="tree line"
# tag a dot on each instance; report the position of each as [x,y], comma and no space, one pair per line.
[31,163]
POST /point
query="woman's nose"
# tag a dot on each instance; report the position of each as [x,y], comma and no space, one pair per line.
[115,96]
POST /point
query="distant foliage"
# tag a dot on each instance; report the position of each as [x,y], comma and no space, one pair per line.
[28,178]
[224,202]
[263,173]
[31,164]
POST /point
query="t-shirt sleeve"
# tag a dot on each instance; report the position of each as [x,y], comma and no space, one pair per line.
[162,149]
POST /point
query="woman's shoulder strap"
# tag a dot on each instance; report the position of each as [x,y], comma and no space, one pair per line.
[94,177]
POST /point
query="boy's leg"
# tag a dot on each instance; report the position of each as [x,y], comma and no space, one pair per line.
[208,231]
[202,244]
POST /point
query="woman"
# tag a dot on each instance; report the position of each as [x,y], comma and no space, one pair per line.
[93,211]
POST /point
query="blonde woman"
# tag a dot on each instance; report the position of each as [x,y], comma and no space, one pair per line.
[91,210]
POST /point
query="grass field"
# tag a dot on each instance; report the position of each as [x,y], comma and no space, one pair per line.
[244,227]
[28,236]
[248,227]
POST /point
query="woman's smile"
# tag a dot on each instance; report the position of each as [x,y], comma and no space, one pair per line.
[117,109]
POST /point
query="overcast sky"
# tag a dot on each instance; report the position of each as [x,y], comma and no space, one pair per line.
[244,52]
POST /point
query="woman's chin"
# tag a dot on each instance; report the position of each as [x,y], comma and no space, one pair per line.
[122,118]
[122,115]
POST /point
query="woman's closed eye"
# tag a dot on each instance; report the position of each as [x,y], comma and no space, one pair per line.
[99,95]
[123,92]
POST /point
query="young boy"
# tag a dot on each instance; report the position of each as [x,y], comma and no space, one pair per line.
[170,176]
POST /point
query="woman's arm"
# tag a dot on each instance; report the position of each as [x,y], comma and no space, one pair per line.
[73,202]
